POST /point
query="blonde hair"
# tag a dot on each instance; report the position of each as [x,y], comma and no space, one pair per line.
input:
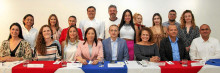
[135,16]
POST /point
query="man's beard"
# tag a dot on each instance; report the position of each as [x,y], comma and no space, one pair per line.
[172,20]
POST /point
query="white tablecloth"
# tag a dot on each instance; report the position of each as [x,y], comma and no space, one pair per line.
[7,66]
[210,69]
[133,67]
[69,70]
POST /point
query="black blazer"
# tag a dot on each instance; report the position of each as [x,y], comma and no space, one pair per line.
[166,50]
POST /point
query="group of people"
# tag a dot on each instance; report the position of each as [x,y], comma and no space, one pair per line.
[113,39]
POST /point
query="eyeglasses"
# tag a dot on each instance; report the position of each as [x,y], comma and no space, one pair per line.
[204,29]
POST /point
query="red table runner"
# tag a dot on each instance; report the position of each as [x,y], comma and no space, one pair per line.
[49,67]
[178,68]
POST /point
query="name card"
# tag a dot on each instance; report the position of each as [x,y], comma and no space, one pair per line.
[74,64]
[35,65]
[115,65]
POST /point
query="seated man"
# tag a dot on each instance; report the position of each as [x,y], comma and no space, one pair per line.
[172,48]
[114,47]
[204,47]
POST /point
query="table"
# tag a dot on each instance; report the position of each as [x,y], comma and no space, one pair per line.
[129,67]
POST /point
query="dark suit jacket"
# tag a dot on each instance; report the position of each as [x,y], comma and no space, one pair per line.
[122,52]
[166,50]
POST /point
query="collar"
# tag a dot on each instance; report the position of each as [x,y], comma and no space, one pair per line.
[172,41]
[115,40]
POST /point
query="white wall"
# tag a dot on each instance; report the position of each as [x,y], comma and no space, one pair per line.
[205,11]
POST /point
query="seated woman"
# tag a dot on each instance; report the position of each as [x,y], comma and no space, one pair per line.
[15,48]
[90,48]
[146,49]
[69,46]
[47,49]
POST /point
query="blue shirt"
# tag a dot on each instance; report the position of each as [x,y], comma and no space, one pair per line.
[175,49]
[114,46]
[166,24]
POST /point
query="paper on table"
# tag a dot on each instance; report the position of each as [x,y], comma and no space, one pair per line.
[56,62]
[196,64]
[35,65]
[74,64]
[115,65]
[121,63]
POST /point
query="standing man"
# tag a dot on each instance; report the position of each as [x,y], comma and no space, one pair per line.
[172,48]
[93,22]
[204,47]
[113,19]
[114,47]
[172,19]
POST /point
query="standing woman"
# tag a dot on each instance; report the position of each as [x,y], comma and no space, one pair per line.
[159,31]
[69,46]
[15,48]
[47,48]
[188,29]
[146,49]
[90,49]
[29,32]
[138,24]
[128,32]
[54,24]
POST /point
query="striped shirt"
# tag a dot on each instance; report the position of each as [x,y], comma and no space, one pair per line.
[52,53]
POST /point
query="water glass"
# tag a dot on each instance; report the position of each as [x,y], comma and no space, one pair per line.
[101,63]
[25,62]
[184,63]
[64,63]
[144,62]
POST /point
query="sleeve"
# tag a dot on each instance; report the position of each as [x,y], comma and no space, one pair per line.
[197,32]
[102,30]
[100,54]
[193,50]
[58,46]
[162,51]
[62,36]
[156,51]
[27,51]
[81,26]
[216,53]
[58,54]
[2,49]
[78,51]
[125,48]
[80,34]
[137,53]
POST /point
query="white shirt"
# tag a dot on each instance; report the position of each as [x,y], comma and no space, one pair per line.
[127,32]
[70,50]
[97,24]
[108,23]
[30,36]
[204,50]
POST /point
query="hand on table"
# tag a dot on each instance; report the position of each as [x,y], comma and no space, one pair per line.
[155,59]
[83,61]
[95,62]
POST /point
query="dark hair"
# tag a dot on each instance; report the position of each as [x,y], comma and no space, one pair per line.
[57,22]
[20,31]
[161,27]
[172,11]
[112,6]
[40,42]
[91,7]
[151,39]
[131,23]
[183,21]
[73,17]
[95,39]
[26,17]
